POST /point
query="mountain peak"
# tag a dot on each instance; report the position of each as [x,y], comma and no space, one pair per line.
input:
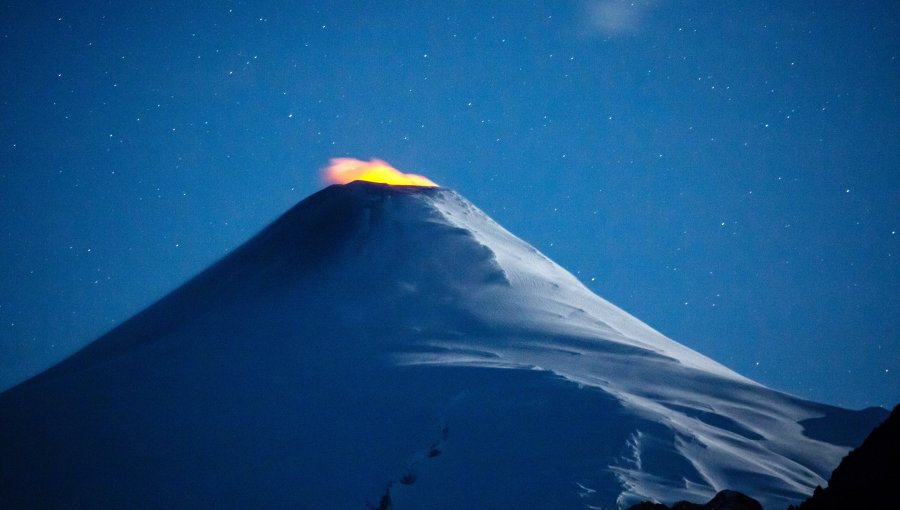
[393,343]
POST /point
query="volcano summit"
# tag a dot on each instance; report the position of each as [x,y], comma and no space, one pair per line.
[392,346]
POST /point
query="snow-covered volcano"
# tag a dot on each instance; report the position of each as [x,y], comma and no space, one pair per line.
[392,346]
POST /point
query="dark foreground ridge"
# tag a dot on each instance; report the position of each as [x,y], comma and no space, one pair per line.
[724,500]
[868,476]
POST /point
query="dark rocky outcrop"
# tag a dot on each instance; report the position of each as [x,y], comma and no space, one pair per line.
[868,477]
[724,500]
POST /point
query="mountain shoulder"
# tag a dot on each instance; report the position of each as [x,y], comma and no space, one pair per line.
[866,478]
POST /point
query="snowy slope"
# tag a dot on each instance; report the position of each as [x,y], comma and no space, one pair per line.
[381,344]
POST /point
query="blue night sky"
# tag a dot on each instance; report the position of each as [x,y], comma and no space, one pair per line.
[726,171]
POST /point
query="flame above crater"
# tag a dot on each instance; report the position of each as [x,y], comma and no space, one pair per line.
[344,170]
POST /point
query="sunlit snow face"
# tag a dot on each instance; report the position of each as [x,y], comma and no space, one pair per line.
[344,170]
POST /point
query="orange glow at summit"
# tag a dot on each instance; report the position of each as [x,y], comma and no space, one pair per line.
[344,170]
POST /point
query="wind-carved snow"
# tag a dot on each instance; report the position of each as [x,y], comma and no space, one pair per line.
[729,431]
[322,364]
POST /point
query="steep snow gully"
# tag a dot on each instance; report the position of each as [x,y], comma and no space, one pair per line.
[393,346]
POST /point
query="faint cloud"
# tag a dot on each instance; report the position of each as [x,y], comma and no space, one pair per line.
[615,17]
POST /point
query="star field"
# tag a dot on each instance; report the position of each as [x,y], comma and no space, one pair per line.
[727,173]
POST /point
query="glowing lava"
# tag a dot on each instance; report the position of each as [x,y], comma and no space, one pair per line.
[344,170]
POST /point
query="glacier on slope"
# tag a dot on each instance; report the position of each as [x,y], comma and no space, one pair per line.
[393,346]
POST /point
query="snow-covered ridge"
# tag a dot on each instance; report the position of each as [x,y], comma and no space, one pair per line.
[541,285]
[581,337]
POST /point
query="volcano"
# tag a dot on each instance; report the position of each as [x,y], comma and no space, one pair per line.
[385,346]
